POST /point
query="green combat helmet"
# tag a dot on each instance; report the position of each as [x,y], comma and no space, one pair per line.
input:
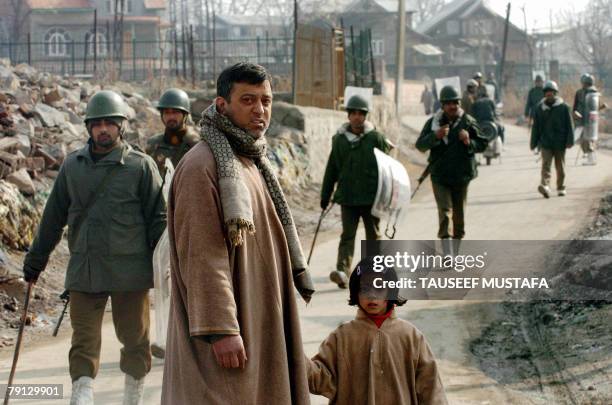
[449,93]
[551,85]
[106,104]
[586,79]
[357,103]
[176,99]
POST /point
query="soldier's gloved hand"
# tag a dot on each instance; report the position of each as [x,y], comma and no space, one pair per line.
[464,136]
[30,274]
[442,132]
[324,204]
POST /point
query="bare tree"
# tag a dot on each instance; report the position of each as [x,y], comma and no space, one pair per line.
[18,17]
[591,35]
[427,9]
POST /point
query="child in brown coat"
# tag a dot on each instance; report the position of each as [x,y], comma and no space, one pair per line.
[376,359]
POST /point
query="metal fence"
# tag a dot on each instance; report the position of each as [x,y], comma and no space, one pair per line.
[139,60]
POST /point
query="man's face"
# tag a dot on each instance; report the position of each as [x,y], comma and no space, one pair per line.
[539,83]
[585,85]
[249,107]
[451,109]
[471,89]
[172,119]
[357,121]
[478,80]
[105,134]
[550,95]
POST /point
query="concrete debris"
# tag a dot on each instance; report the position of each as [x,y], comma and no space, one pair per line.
[23,181]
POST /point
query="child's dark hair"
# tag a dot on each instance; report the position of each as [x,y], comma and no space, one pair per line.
[366,268]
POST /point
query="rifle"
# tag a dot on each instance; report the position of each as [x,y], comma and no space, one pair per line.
[65,296]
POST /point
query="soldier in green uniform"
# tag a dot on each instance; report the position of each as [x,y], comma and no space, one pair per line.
[174,107]
[452,138]
[553,133]
[352,167]
[109,196]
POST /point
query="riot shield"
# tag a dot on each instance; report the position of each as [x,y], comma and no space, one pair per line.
[393,192]
[591,127]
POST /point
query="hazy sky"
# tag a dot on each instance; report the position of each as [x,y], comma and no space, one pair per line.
[537,11]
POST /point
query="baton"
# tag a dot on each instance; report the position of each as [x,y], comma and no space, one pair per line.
[18,344]
[314,239]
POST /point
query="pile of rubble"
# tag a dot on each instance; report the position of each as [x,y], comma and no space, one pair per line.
[41,121]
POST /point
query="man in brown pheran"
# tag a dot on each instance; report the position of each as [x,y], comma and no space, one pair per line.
[234,335]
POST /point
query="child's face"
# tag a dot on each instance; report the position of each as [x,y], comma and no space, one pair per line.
[373,300]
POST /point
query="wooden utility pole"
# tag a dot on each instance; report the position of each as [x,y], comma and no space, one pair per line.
[401,39]
[95,41]
[503,57]
[295,37]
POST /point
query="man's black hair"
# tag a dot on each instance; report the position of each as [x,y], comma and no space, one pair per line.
[364,269]
[243,72]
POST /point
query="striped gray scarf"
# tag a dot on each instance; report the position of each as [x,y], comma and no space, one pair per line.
[226,141]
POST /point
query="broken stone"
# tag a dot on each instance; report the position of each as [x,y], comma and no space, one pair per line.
[23,181]
[26,71]
[49,116]
[8,80]
[74,118]
[9,144]
[26,110]
[25,146]
[71,95]
[52,97]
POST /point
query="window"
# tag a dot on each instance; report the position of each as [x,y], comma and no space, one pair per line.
[100,42]
[236,32]
[56,40]
[378,47]
[453,27]
[127,6]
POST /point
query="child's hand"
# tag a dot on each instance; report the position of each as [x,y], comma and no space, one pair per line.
[229,352]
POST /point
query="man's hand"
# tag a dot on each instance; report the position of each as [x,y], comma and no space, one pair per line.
[229,352]
[30,275]
[577,115]
[464,137]
[442,132]
[324,204]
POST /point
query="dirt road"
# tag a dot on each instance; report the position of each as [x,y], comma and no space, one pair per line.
[503,204]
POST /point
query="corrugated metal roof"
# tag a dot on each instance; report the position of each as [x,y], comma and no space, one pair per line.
[427,49]
[155,4]
[58,4]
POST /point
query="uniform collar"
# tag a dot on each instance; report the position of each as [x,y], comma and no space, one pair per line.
[116,156]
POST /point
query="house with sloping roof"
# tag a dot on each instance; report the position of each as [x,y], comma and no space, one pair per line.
[61,29]
[470,34]
[381,18]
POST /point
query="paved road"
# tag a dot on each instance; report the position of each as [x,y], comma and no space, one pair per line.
[503,204]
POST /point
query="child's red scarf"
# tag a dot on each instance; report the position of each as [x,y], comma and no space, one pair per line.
[379,319]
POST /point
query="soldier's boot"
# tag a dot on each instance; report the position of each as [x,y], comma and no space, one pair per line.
[591,161]
[544,190]
[340,278]
[133,391]
[158,351]
[82,391]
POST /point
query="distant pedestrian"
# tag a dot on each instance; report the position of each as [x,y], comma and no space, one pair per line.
[427,100]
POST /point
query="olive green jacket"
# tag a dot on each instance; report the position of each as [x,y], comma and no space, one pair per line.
[160,149]
[553,127]
[111,246]
[451,162]
[352,165]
